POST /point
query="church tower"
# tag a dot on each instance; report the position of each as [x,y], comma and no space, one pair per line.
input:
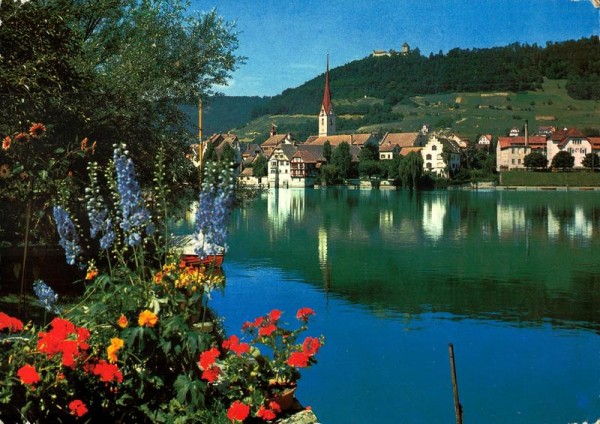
[326,116]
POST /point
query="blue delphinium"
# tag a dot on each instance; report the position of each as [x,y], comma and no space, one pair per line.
[214,212]
[100,221]
[46,296]
[135,216]
[69,239]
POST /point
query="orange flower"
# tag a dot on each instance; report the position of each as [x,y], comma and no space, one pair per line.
[84,143]
[158,277]
[93,147]
[91,274]
[147,319]
[22,137]
[6,143]
[122,321]
[115,345]
[37,129]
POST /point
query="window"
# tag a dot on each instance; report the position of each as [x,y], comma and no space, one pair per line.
[428,157]
[513,161]
[428,165]
[434,147]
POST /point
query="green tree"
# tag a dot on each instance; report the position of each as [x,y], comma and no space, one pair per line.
[369,168]
[327,151]
[591,161]
[330,174]
[535,160]
[563,160]
[411,170]
[342,159]
[228,153]
[260,167]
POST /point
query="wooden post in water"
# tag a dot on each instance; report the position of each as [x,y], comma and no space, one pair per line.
[457,405]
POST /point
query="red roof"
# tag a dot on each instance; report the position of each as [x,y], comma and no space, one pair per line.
[535,141]
[595,142]
[326,105]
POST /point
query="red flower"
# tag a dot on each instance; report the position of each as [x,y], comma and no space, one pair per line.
[274,406]
[107,372]
[267,330]
[311,346]
[211,374]
[207,358]
[238,411]
[22,137]
[274,315]
[233,344]
[78,408]
[304,313]
[265,414]
[258,321]
[298,359]
[28,374]
[6,143]
[13,324]
[37,129]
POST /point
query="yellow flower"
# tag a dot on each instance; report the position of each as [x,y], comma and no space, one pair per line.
[147,319]
[122,321]
[117,342]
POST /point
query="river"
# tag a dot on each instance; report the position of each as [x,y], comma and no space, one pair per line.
[512,279]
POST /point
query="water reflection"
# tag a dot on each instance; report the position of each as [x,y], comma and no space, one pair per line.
[513,256]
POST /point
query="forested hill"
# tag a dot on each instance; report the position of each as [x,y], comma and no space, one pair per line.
[516,67]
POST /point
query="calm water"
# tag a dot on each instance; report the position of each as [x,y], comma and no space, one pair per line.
[512,279]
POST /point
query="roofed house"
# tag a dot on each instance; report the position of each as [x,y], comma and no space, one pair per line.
[595,142]
[434,159]
[276,140]
[279,169]
[392,143]
[569,140]
[359,140]
[511,151]
[546,130]
[304,167]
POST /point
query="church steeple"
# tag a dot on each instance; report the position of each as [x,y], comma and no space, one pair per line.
[326,116]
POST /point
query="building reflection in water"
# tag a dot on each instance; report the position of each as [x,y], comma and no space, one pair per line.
[510,220]
[434,212]
[324,258]
[283,205]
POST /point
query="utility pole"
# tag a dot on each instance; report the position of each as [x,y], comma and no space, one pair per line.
[200,141]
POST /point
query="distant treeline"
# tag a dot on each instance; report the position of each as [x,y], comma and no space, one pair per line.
[516,67]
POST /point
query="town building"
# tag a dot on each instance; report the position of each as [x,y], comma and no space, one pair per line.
[392,143]
[440,156]
[569,140]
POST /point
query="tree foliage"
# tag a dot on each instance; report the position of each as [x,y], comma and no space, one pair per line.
[563,160]
[535,160]
[112,71]
[516,67]
[260,166]
[591,161]
[342,159]
[411,170]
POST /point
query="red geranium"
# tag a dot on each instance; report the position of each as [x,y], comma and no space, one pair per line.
[267,330]
[238,411]
[207,358]
[211,374]
[13,324]
[266,414]
[28,374]
[107,372]
[274,315]
[77,408]
[233,344]
[298,359]
[304,313]
[311,346]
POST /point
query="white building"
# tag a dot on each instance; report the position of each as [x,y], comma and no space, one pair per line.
[433,156]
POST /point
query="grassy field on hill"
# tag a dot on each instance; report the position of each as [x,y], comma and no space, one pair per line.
[467,114]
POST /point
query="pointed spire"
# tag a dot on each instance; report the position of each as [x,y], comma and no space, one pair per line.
[326,105]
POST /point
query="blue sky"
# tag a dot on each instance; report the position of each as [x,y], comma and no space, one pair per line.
[286,41]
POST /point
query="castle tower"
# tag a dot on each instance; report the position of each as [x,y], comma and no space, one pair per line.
[326,116]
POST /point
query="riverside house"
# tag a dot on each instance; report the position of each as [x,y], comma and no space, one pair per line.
[569,140]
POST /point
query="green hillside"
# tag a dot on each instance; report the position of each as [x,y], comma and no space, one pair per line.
[467,114]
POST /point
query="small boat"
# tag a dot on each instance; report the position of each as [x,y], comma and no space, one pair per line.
[215,261]
[187,246]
